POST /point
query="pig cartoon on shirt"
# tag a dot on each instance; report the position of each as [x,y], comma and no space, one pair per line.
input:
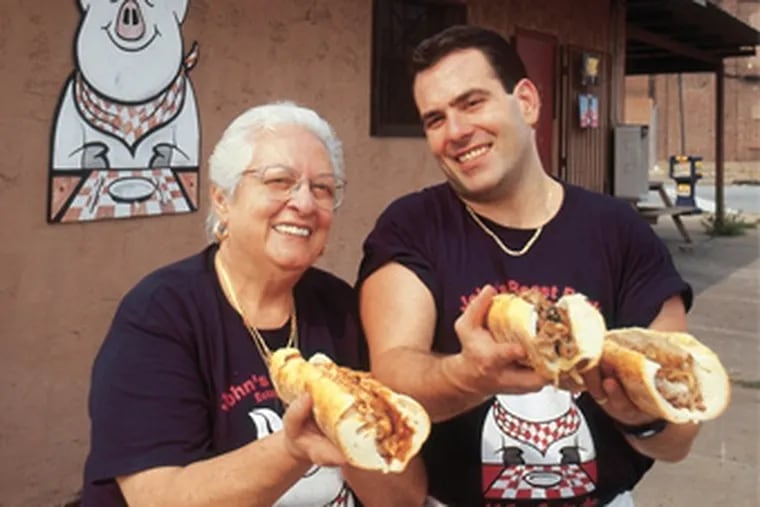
[537,447]
[323,486]
[127,120]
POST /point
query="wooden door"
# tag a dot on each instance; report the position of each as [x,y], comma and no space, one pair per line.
[538,52]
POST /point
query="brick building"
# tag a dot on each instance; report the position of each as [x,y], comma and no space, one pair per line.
[742,102]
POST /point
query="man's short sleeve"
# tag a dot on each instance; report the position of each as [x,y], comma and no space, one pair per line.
[649,276]
[401,235]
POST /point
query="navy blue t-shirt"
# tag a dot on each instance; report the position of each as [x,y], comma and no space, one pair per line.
[547,448]
[178,378]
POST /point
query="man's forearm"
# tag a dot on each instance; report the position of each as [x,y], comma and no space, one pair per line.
[428,378]
[673,444]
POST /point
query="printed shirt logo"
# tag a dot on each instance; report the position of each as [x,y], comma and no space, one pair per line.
[319,485]
[549,482]
[552,292]
[258,387]
[537,434]
[537,447]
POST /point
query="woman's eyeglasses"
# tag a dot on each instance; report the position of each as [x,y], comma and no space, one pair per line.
[281,181]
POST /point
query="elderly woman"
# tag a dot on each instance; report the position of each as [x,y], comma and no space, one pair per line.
[183,410]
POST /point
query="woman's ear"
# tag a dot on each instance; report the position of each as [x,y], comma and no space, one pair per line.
[219,201]
[527,96]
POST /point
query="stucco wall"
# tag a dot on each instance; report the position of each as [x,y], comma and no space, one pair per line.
[588,27]
[60,284]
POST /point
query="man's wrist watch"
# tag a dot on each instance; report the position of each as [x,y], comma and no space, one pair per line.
[642,431]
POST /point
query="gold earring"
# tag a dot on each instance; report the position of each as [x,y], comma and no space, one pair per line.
[221,232]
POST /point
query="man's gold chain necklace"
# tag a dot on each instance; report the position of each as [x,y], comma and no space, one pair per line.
[258,340]
[499,242]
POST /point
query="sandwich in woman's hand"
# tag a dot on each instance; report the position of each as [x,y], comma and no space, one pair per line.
[668,375]
[374,427]
[562,339]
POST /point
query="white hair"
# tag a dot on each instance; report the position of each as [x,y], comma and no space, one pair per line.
[235,149]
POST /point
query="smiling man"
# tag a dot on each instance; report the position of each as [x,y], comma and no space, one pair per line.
[500,223]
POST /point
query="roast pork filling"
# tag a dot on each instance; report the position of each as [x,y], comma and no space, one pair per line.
[553,337]
[675,380]
[393,434]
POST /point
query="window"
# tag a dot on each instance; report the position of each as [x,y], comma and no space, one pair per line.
[398,26]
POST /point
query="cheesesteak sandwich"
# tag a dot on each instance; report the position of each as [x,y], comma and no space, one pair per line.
[374,427]
[668,375]
[562,339]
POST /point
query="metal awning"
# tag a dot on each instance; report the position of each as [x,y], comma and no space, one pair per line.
[666,36]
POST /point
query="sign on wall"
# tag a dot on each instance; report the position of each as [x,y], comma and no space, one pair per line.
[125,141]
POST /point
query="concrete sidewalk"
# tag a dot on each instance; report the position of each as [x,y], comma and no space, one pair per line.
[723,468]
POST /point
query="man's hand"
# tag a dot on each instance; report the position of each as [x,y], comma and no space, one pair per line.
[609,394]
[303,438]
[484,366]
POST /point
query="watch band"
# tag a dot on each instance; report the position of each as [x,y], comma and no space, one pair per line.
[642,431]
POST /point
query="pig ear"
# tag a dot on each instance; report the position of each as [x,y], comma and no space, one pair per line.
[179,7]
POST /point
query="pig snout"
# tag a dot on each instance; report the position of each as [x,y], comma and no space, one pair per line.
[129,23]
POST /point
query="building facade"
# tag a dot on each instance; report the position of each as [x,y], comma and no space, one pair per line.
[60,283]
[686,117]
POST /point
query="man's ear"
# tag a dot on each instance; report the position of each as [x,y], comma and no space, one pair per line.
[527,96]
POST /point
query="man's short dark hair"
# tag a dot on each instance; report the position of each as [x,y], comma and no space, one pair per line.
[503,58]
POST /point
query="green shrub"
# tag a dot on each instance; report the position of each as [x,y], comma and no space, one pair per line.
[734,224]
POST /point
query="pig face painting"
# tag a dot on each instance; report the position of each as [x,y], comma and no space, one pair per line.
[126,137]
[537,447]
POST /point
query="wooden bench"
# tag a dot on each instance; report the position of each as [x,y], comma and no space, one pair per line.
[652,213]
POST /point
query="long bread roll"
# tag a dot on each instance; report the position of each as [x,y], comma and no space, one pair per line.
[561,339]
[374,427]
[668,375]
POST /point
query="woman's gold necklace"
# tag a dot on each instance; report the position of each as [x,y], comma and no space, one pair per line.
[499,242]
[258,340]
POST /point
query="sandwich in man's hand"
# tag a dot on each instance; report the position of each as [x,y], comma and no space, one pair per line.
[374,427]
[562,339]
[671,376]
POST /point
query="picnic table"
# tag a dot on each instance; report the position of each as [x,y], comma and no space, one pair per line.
[652,213]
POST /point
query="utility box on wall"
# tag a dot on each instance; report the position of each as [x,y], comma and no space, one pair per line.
[631,162]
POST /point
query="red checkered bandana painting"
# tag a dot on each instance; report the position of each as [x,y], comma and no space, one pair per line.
[538,447]
[126,137]
[130,122]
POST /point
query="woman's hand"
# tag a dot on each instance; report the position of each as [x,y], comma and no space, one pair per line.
[303,438]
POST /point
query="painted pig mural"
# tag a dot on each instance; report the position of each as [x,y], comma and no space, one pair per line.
[126,138]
